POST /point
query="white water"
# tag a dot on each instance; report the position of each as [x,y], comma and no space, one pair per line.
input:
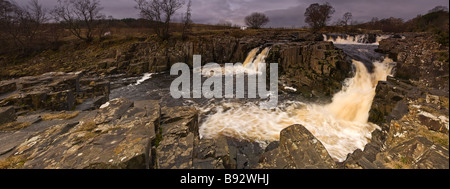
[356,39]
[342,126]
[250,65]
[144,78]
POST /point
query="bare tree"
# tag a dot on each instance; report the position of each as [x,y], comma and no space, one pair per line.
[21,24]
[80,16]
[346,18]
[160,12]
[317,15]
[187,22]
[256,20]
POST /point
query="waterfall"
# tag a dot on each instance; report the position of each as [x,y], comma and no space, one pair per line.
[342,126]
[250,65]
[371,39]
[251,62]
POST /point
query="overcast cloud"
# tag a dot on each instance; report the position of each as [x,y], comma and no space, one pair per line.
[282,13]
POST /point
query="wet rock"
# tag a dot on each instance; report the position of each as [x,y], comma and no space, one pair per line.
[7,114]
[298,149]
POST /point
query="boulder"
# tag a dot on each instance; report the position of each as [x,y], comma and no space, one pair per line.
[298,149]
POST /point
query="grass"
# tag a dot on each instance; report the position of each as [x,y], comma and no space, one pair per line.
[13,162]
[14,126]
[60,116]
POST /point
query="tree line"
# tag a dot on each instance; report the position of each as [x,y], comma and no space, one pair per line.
[30,27]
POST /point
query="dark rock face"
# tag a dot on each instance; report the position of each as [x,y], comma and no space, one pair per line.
[298,149]
[7,114]
[315,69]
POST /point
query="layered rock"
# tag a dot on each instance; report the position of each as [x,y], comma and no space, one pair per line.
[119,135]
[315,69]
[420,59]
[7,86]
[177,137]
[53,91]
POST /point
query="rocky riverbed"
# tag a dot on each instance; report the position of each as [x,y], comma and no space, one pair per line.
[68,120]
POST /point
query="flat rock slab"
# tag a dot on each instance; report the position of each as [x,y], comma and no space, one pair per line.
[120,143]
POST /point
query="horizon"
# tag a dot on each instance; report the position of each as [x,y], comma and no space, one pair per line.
[283,13]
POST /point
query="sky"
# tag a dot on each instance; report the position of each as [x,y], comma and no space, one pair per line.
[282,13]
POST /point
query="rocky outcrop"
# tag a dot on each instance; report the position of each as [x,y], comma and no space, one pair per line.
[420,59]
[411,108]
[119,135]
[54,91]
[315,69]
[416,153]
[297,149]
[155,56]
